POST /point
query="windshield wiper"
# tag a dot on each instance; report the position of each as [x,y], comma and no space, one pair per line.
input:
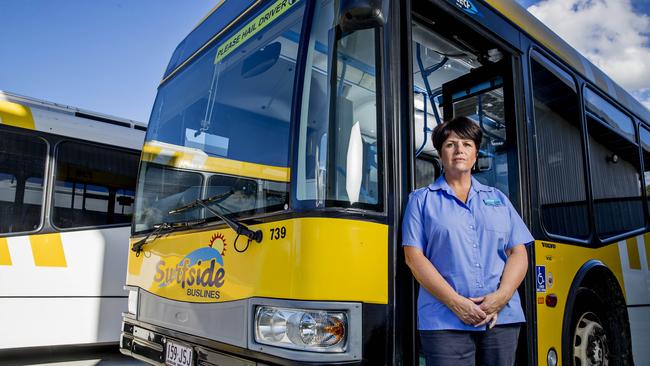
[214,199]
[162,228]
[238,227]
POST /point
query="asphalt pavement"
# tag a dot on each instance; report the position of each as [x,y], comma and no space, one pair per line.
[66,356]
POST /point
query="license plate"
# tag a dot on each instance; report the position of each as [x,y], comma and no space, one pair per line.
[177,354]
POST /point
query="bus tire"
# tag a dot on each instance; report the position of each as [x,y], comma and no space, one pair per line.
[589,338]
[597,335]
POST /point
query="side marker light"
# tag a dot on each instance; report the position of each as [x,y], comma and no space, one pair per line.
[551,300]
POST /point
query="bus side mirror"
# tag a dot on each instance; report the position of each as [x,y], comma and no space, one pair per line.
[361,14]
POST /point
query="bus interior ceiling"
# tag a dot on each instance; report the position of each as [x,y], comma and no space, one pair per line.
[442,54]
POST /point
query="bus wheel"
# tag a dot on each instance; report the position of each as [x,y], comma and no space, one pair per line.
[590,342]
[589,337]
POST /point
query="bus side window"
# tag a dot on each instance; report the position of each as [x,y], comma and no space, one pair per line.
[563,196]
[339,157]
[615,168]
[426,164]
[425,172]
[94,185]
[22,167]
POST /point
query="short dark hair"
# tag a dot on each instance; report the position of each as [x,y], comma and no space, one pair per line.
[464,127]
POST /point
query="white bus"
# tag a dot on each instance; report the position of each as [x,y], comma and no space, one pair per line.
[67,182]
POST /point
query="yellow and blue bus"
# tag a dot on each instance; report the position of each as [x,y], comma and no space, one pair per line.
[67,188]
[283,144]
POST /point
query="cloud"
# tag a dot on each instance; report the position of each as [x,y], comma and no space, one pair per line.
[644,96]
[610,33]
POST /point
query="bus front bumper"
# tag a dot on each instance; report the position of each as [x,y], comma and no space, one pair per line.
[151,347]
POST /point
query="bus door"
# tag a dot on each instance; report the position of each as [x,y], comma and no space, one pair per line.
[484,96]
[459,72]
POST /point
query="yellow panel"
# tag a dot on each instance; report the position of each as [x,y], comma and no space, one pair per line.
[134,263]
[48,250]
[190,158]
[562,263]
[5,256]
[633,253]
[17,115]
[303,259]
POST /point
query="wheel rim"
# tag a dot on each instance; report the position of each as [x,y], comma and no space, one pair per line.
[590,342]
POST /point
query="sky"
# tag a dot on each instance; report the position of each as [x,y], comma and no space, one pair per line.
[105,56]
[108,56]
[612,34]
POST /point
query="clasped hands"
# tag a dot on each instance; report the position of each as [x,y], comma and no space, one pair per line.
[479,311]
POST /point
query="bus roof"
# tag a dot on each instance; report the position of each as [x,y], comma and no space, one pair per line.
[224,16]
[36,114]
[529,24]
[218,21]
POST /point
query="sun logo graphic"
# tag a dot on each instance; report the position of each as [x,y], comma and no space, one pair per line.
[218,242]
[201,272]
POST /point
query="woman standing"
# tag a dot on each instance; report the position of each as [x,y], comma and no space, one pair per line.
[464,243]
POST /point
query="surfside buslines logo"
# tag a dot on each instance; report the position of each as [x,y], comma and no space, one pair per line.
[201,273]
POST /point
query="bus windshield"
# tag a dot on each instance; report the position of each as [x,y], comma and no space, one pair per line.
[222,123]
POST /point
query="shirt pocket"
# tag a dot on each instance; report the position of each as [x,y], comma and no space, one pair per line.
[496,218]
[497,226]
[498,239]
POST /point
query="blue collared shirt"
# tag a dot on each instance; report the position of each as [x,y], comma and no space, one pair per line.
[467,244]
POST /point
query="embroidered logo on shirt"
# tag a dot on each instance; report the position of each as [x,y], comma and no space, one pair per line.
[493,202]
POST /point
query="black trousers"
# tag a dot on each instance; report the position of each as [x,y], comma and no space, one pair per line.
[493,347]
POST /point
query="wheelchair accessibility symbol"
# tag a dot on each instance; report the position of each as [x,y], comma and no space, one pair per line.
[540,278]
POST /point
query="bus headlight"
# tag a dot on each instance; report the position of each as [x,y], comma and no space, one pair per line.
[304,329]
